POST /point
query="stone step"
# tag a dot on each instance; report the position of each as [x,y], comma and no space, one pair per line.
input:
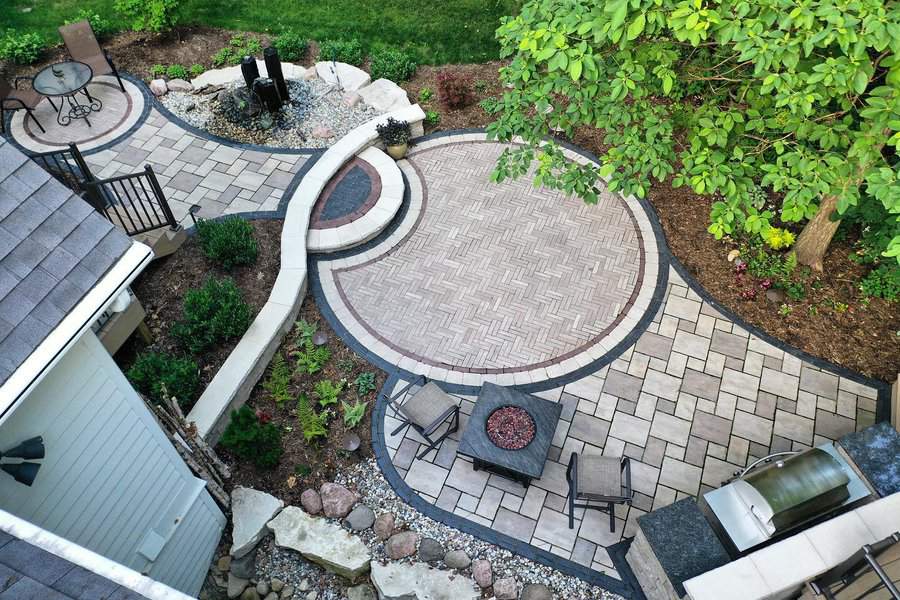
[163,241]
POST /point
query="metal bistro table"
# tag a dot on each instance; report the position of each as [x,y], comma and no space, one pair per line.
[65,80]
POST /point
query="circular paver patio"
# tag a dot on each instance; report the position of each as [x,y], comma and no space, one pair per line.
[488,281]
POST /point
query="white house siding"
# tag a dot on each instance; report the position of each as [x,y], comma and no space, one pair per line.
[111,480]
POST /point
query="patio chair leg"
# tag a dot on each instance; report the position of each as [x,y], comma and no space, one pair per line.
[612,518]
[422,454]
[50,100]
[2,120]
[33,118]
[571,509]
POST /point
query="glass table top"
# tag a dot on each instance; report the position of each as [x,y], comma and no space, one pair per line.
[62,78]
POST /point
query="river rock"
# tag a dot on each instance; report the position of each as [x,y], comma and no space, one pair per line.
[348,77]
[457,559]
[361,592]
[159,87]
[384,526]
[396,581]
[245,566]
[384,95]
[250,594]
[251,510]
[277,584]
[224,563]
[536,591]
[482,573]
[271,596]
[337,500]
[322,132]
[179,85]
[401,545]
[505,589]
[311,502]
[236,585]
[430,550]
[360,518]
[262,588]
[322,542]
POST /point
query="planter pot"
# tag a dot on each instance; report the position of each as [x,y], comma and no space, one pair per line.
[397,152]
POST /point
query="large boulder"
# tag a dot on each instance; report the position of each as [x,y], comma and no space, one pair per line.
[347,76]
[360,518]
[251,510]
[418,581]
[179,85]
[384,95]
[430,550]
[384,526]
[159,87]
[337,500]
[322,542]
[401,545]
[457,559]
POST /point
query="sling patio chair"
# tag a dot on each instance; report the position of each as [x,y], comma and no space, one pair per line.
[13,98]
[426,410]
[600,479]
[83,46]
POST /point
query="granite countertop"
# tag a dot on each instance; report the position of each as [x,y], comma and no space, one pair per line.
[876,452]
[683,541]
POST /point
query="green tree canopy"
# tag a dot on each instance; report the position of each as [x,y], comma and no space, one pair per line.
[799,96]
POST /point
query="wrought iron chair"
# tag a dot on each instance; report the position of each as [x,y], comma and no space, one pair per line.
[426,410]
[13,98]
[600,479]
[83,46]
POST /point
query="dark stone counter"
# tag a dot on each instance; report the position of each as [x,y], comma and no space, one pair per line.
[683,541]
[876,452]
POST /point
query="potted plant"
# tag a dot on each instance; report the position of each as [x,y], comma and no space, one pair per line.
[395,136]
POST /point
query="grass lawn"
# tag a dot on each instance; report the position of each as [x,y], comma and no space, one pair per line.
[437,31]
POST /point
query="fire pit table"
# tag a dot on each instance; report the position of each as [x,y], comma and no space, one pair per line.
[509,433]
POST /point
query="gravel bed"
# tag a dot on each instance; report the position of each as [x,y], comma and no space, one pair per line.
[315,106]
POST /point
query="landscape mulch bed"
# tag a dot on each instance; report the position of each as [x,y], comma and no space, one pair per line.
[162,286]
[304,464]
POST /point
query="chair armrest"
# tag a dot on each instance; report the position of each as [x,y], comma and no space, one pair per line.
[440,420]
[626,467]
[5,100]
[572,469]
[405,389]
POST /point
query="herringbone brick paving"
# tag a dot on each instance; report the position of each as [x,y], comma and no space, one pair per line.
[497,276]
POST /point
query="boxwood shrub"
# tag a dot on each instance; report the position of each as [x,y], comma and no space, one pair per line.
[395,65]
[347,51]
[152,371]
[228,241]
[213,313]
[252,438]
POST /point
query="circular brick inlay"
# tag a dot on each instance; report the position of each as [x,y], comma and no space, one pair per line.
[510,428]
[497,278]
[350,194]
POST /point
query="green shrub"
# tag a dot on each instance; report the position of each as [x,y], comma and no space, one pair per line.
[883,282]
[393,132]
[253,438]
[196,70]
[490,105]
[102,27]
[395,65]
[154,370]
[311,424]
[225,56]
[176,72]
[291,46]
[21,48]
[228,241]
[157,71]
[353,413]
[432,117]
[346,51]
[213,313]
[425,94]
[279,379]
[328,392]
[149,15]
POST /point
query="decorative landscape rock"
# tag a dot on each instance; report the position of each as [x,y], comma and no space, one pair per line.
[536,591]
[347,76]
[352,99]
[401,545]
[430,550]
[361,592]
[250,594]
[322,132]
[384,95]
[236,585]
[384,526]
[505,589]
[251,510]
[179,85]
[360,518]
[322,542]
[311,501]
[277,585]
[457,559]
[337,500]
[159,87]
[262,588]
[482,573]
[418,581]
[245,566]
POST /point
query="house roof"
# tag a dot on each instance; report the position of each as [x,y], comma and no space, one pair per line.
[53,249]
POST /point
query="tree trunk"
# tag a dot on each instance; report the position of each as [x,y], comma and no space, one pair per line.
[815,237]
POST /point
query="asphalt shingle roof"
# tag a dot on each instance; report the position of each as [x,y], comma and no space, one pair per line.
[53,249]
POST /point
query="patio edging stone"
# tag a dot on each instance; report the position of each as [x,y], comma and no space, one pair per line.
[232,384]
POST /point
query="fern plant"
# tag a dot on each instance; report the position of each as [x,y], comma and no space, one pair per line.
[305,332]
[279,380]
[353,413]
[313,425]
[365,383]
[311,359]
[327,392]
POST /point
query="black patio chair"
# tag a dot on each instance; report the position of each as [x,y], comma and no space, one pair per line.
[426,410]
[14,98]
[600,479]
